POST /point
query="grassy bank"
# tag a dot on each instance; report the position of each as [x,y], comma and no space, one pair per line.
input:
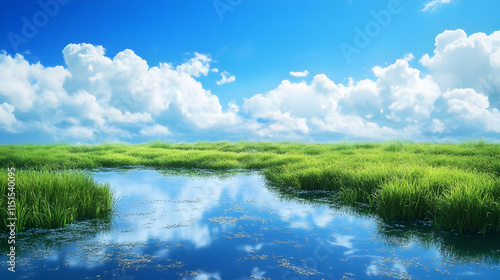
[47,199]
[457,187]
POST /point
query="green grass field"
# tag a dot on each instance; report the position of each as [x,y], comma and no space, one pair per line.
[455,186]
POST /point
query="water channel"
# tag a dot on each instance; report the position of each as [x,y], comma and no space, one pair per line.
[182,224]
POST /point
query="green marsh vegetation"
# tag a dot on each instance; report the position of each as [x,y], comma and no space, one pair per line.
[51,199]
[453,186]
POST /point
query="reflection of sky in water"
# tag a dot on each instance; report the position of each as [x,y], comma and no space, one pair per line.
[231,227]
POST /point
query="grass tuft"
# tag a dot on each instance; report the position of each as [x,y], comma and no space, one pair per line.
[48,199]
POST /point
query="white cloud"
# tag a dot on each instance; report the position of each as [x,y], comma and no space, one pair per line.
[98,98]
[434,4]
[101,98]
[405,95]
[409,57]
[206,276]
[80,132]
[250,248]
[155,130]
[22,84]
[372,270]
[342,241]
[8,120]
[257,273]
[473,107]
[466,102]
[300,74]
[461,61]
[399,268]
[405,92]
[401,103]
[226,79]
[354,126]
[301,108]
[196,66]
[437,126]
[466,69]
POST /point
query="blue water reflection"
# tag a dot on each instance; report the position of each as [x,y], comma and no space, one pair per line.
[173,226]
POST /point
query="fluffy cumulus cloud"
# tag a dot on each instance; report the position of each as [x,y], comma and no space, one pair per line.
[8,120]
[198,65]
[98,98]
[301,108]
[461,61]
[474,108]
[397,104]
[406,94]
[451,94]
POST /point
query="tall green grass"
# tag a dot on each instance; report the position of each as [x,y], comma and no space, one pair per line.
[454,186]
[48,199]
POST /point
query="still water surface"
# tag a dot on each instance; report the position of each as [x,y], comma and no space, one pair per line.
[204,226]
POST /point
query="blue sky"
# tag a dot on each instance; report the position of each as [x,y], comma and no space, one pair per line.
[94,71]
